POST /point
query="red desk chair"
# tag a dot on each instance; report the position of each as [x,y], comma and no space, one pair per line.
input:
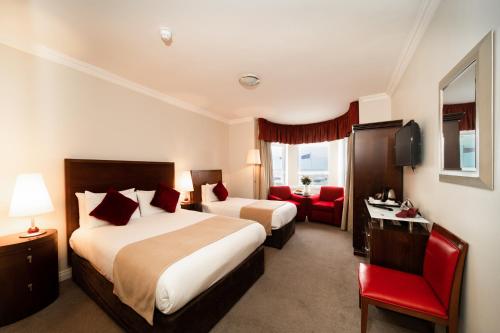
[284,193]
[327,206]
[432,296]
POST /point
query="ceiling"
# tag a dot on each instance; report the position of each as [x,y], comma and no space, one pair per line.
[313,56]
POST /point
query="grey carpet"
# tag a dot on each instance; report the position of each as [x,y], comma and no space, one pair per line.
[309,286]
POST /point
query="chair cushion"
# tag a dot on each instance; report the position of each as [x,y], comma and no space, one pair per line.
[398,288]
[324,205]
[440,261]
[330,193]
[283,192]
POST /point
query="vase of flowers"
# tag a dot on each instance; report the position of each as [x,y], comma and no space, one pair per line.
[306,181]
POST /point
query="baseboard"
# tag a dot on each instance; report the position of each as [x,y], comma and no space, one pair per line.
[65,274]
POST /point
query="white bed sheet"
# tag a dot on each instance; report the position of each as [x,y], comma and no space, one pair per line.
[185,279]
[231,207]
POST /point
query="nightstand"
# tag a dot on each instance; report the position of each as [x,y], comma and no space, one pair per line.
[29,275]
[190,205]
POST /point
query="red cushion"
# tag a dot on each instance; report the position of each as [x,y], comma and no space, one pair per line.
[323,205]
[399,288]
[273,197]
[165,198]
[220,191]
[283,192]
[440,261]
[115,208]
[330,193]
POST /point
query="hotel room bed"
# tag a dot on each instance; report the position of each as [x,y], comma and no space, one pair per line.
[283,218]
[194,292]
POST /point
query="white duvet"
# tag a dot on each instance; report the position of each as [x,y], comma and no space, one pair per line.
[231,207]
[185,279]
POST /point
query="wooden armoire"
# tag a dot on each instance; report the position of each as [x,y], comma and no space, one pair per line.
[373,169]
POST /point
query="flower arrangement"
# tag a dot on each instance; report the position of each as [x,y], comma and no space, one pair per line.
[305,180]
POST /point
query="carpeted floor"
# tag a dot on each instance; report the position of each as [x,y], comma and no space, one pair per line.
[309,286]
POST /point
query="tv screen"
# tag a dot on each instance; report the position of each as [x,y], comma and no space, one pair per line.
[408,145]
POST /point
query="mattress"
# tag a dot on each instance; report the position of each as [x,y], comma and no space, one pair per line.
[185,279]
[231,207]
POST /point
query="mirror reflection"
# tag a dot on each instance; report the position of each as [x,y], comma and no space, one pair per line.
[459,122]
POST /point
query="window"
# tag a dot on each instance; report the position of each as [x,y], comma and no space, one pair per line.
[313,162]
[279,155]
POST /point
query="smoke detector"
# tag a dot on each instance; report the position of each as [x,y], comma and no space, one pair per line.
[166,35]
[249,80]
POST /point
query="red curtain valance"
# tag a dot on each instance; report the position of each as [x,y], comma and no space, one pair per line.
[329,130]
[468,121]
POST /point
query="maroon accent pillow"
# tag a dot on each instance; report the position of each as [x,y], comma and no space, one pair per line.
[220,191]
[115,208]
[165,198]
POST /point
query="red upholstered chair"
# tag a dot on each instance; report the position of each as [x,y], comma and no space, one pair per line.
[284,193]
[327,206]
[432,296]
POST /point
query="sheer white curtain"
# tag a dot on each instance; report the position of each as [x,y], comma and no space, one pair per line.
[348,199]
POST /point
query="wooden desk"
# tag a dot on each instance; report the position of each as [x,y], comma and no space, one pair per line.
[391,244]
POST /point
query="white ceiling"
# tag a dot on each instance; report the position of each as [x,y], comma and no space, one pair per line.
[313,56]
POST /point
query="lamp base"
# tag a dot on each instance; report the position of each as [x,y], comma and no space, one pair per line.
[32,234]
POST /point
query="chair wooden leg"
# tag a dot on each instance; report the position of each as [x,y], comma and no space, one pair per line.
[364,315]
[452,326]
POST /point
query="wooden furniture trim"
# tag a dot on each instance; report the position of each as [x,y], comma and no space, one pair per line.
[278,237]
[381,124]
[199,315]
[453,310]
[99,175]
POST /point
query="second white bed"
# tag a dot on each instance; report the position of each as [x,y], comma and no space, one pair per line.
[231,207]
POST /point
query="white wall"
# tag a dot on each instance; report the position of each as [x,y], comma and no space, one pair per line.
[241,139]
[50,112]
[374,108]
[471,213]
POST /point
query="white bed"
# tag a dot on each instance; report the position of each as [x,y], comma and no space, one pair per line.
[182,281]
[231,207]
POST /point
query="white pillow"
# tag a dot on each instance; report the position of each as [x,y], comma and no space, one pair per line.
[207,192]
[145,198]
[92,200]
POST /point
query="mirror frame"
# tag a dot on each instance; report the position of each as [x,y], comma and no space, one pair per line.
[482,53]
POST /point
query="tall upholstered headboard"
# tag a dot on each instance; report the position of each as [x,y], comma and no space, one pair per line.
[202,177]
[100,175]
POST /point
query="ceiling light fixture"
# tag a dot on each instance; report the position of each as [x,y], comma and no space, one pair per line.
[249,80]
[166,35]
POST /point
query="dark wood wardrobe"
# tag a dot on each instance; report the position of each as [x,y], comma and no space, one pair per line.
[373,169]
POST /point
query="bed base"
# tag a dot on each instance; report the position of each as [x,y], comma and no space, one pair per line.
[280,236]
[199,315]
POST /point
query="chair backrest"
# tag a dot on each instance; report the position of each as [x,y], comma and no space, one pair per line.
[330,193]
[443,265]
[283,192]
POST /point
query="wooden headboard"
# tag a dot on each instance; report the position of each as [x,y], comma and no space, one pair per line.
[202,177]
[100,175]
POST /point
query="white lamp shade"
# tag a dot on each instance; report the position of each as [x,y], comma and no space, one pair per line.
[186,183]
[253,156]
[30,197]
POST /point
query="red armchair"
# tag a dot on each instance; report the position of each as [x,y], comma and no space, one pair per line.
[327,206]
[432,296]
[284,193]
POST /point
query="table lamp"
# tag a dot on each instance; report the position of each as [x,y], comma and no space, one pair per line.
[30,198]
[186,185]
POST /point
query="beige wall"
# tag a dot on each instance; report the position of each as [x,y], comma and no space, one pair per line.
[241,139]
[374,108]
[470,212]
[50,112]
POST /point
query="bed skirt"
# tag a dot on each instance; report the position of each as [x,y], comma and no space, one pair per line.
[199,315]
[280,236]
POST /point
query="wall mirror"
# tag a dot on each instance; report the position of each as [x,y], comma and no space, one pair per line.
[466,119]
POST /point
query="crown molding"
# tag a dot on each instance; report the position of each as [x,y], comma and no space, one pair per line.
[424,16]
[84,67]
[375,97]
[240,120]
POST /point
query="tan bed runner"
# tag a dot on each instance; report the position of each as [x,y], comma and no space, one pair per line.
[138,266]
[262,212]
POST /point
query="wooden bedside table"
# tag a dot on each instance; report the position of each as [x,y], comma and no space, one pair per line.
[29,275]
[190,205]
